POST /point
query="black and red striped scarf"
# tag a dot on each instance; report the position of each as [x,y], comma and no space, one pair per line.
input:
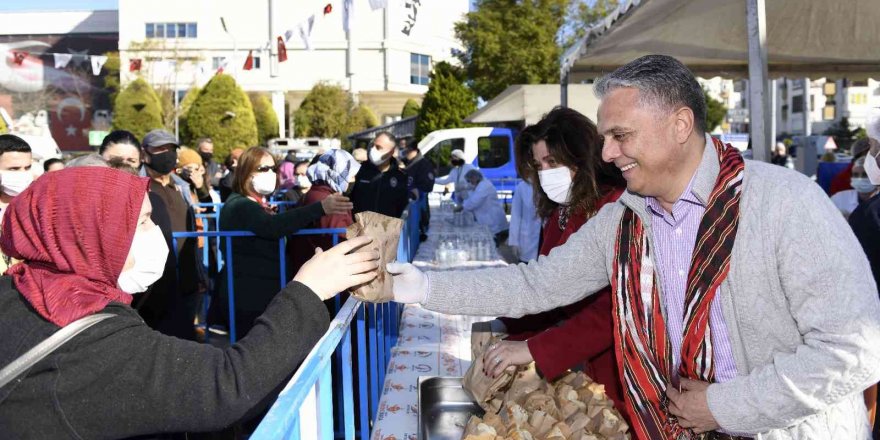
[641,342]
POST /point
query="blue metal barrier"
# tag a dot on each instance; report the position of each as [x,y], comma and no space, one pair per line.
[375,331]
[228,236]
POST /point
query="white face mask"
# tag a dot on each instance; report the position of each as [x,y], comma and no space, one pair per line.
[150,252]
[376,157]
[14,183]
[264,183]
[556,183]
[862,185]
[871,169]
[303,181]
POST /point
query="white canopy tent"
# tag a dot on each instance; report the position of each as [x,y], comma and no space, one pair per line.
[528,103]
[727,38]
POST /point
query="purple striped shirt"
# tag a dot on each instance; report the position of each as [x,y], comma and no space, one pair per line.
[675,236]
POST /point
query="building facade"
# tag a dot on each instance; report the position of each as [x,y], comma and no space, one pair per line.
[383,60]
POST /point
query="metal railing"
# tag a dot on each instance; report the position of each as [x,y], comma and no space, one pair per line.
[361,333]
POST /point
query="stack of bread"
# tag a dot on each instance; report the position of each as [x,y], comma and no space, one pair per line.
[523,406]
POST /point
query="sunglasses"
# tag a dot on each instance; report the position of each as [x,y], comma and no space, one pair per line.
[265,168]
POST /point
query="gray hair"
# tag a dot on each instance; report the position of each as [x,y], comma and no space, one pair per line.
[473,174]
[662,82]
[88,160]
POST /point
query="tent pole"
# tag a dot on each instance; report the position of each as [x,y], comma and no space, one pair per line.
[563,90]
[759,102]
[808,109]
[774,111]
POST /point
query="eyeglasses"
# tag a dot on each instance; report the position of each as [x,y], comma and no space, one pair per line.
[265,168]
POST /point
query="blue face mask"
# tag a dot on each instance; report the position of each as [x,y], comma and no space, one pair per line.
[862,185]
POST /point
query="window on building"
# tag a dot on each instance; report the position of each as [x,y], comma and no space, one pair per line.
[419,69]
[442,152]
[493,151]
[830,88]
[797,104]
[858,98]
[172,30]
[256,62]
[784,112]
[829,113]
[859,83]
[216,62]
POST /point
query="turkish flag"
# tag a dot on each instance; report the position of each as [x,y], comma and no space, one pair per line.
[282,50]
[134,65]
[249,62]
[328,9]
[19,57]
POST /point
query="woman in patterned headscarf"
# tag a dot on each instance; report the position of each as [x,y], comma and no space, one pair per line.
[331,174]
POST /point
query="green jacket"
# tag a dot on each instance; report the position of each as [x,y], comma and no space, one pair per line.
[255,260]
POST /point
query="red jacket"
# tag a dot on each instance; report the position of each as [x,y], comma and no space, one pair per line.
[841,182]
[301,248]
[578,334]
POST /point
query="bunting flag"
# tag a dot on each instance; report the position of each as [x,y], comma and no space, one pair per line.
[328,9]
[378,4]
[282,50]
[134,65]
[249,61]
[18,57]
[347,15]
[62,59]
[305,31]
[222,66]
[98,63]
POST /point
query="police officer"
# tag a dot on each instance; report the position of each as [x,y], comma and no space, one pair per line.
[420,170]
[380,186]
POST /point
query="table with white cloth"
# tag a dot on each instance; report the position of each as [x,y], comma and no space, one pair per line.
[430,343]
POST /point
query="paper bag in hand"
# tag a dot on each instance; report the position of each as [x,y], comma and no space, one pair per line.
[385,232]
[481,387]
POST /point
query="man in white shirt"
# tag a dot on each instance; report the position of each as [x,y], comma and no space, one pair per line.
[456,176]
[483,201]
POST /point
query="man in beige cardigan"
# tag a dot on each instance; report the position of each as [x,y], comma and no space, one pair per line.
[790,318]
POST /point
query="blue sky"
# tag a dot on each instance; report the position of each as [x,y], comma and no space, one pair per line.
[56,5]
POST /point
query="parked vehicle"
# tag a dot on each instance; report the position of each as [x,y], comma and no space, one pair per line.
[487,148]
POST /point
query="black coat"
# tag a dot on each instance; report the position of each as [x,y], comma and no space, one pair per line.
[120,379]
[865,223]
[421,174]
[385,193]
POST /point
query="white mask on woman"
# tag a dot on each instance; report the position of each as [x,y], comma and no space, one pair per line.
[556,183]
[14,183]
[871,168]
[264,183]
[150,251]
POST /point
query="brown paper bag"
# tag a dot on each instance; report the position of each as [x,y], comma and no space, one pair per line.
[481,387]
[385,232]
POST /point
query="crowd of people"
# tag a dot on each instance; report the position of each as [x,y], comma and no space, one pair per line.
[713,297]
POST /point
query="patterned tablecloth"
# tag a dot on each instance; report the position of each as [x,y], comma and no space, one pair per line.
[430,344]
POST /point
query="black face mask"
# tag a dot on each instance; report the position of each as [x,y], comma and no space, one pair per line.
[457,162]
[163,163]
[206,157]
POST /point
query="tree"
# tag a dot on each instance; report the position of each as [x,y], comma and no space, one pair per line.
[447,102]
[324,112]
[361,118]
[715,112]
[843,133]
[581,15]
[410,109]
[185,106]
[137,109]
[3,127]
[223,112]
[267,119]
[510,42]
[111,81]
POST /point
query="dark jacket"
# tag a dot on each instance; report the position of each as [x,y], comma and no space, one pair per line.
[865,223]
[301,248]
[119,378]
[255,260]
[385,193]
[421,174]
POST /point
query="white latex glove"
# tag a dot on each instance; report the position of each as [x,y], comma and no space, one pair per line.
[337,269]
[410,284]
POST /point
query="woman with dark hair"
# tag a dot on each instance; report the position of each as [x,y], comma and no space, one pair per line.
[123,146]
[256,269]
[562,156]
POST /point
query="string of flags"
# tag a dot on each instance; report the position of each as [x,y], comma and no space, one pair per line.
[303,29]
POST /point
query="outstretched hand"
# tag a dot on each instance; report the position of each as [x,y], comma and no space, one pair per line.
[337,269]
